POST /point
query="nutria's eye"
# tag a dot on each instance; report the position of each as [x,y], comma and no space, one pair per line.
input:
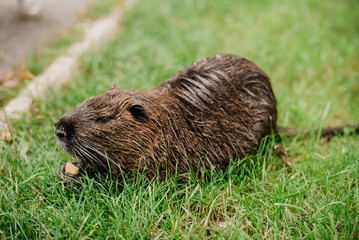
[103,119]
[138,112]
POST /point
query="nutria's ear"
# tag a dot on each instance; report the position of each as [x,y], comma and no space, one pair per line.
[113,86]
[138,112]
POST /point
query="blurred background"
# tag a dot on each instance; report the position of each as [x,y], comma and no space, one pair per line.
[25,25]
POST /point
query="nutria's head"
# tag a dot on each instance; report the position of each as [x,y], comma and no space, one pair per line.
[109,129]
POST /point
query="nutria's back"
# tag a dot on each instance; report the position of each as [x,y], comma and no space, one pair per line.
[217,109]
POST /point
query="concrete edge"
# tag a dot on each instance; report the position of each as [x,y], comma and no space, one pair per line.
[59,71]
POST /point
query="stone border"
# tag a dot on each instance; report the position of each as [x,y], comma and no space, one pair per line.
[59,71]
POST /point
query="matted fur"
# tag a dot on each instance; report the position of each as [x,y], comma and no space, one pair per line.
[218,108]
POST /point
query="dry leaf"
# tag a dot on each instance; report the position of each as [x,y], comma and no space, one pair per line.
[26,75]
[282,154]
[5,135]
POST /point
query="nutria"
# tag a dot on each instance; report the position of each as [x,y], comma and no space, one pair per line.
[217,109]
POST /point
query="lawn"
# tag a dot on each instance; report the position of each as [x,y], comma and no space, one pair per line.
[309,48]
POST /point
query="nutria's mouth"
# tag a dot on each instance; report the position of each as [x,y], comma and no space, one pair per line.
[71,149]
[87,154]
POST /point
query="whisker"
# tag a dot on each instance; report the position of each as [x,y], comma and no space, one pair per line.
[90,146]
[89,156]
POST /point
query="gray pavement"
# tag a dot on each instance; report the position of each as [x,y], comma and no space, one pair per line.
[20,36]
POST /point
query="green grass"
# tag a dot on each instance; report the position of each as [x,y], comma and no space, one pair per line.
[310,50]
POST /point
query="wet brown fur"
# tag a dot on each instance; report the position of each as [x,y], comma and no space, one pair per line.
[217,109]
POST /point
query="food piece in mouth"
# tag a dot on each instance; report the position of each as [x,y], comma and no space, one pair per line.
[71,169]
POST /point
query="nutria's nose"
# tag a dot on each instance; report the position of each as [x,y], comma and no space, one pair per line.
[61,135]
[64,129]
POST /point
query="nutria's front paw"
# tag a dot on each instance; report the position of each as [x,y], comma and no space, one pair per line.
[69,173]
